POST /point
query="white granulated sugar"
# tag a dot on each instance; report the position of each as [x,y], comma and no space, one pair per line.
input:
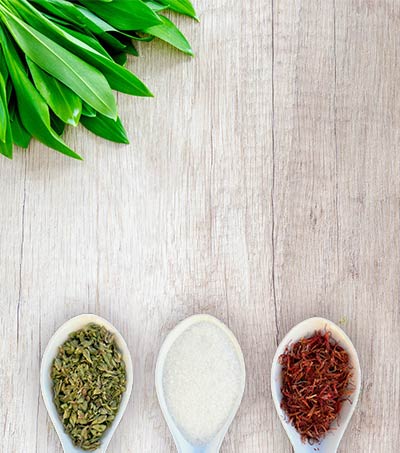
[202,380]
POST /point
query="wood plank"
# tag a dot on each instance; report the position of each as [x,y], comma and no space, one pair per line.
[337,193]
[368,114]
[12,204]
[305,173]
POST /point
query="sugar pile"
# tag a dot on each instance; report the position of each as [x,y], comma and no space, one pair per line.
[202,380]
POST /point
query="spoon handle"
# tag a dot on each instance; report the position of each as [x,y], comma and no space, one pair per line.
[202,449]
[318,449]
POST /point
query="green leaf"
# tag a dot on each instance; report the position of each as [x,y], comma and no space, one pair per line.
[5,127]
[4,119]
[101,28]
[89,40]
[9,89]
[171,34]
[86,81]
[112,42]
[118,77]
[62,9]
[64,102]
[181,6]
[57,124]
[21,137]
[32,108]
[120,58]
[6,149]
[3,67]
[106,128]
[88,111]
[124,14]
[156,7]
[95,23]
[56,20]
[131,49]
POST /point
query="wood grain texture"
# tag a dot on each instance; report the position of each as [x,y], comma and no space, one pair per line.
[262,185]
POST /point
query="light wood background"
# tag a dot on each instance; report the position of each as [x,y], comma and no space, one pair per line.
[262,186]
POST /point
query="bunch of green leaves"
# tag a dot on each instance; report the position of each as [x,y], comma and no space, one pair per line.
[61,59]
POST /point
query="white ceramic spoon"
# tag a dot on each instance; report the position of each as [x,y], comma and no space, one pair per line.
[183,444]
[332,440]
[51,351]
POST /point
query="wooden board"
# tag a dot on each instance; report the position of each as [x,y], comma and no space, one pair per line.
[262,185]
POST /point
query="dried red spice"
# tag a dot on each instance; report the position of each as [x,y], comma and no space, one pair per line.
[316,380]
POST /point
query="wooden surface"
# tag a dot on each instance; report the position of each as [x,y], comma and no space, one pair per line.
[262,185]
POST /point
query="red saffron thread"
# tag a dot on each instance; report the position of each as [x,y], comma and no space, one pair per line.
[316,380]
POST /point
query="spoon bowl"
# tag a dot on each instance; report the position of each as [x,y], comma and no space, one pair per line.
[183,443]
[330,443]
[60,336]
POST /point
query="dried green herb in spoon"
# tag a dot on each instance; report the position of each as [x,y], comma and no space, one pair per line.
[89,379]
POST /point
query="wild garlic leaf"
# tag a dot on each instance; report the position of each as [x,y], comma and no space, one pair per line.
[88,111]
[57,124]
[121,58]
[95,23]
[32,108]
[62,9]
[64,102]
[21,137]
[156,7]
[171,34]
[4,119]
[86,81]
[6,143]
[6,148]
[124,14]
[91,41]
[3,67]
[181,6]
[106,128]
[131,49]
[103,29]
[112,43]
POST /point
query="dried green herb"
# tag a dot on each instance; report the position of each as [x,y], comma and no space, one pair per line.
[89,379]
